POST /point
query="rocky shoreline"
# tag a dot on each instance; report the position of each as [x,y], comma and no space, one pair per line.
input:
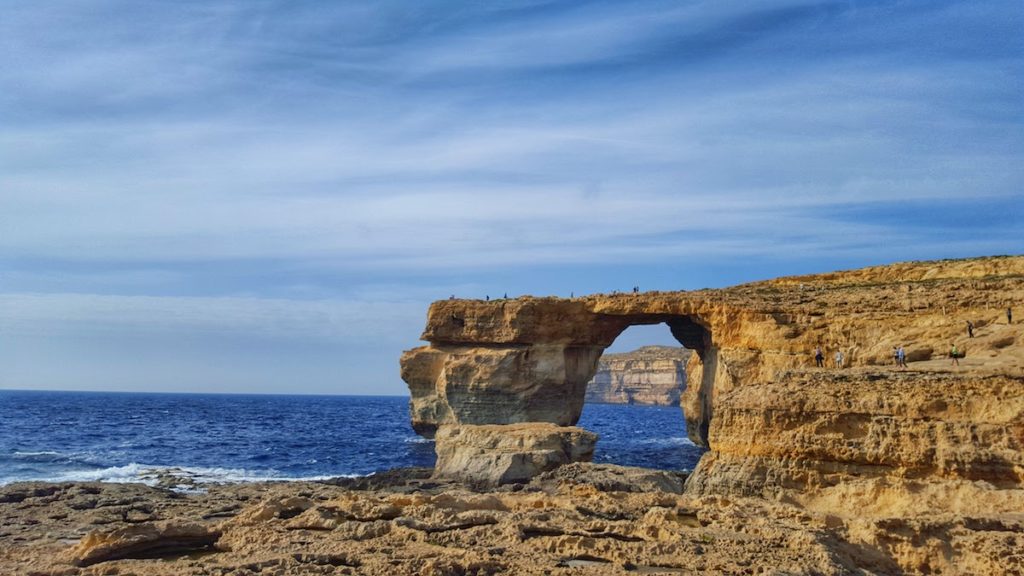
[579,519]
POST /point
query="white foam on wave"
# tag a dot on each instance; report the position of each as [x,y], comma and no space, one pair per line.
[419,440]
[673,441]
[27,454]
[129,473]
[151,475]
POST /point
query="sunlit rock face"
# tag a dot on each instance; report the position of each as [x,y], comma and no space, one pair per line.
[501,454]
[529,359]
[773,421]
[652,375]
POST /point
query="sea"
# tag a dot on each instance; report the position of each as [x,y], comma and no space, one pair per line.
[220,438]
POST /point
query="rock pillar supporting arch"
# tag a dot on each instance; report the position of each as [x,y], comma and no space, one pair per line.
[700,376]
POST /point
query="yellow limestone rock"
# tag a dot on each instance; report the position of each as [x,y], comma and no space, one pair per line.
[652,375]
[775,424]
[150,539]
[501,454]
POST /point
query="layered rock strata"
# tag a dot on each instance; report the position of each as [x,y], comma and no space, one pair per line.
[577,519]
[821,435]
[529,359]
[652,375]
[772,419]
[501,454]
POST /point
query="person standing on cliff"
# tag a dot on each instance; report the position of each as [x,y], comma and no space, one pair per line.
[955,355]
[1009,315]
[819,357]
[839,358]
[970,329]
[896,356]
[901,357]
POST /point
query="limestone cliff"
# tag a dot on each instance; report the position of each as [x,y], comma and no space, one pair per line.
[652,375]
[867,436]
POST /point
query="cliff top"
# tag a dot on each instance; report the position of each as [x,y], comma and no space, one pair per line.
[864,312]
[648,353]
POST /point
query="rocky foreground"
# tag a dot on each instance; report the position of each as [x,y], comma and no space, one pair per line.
[581,519]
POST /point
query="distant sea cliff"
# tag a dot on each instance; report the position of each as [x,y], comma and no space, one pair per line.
[652,375]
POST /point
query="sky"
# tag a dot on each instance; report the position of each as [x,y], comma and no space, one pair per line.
[256,196]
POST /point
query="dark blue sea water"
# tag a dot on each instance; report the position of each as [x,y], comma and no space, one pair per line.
[64,436]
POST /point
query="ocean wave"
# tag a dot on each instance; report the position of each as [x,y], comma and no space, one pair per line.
[27,454]
[180,476]
[147,473]
[54,457]
[128,473]
[419,440]
[673,441]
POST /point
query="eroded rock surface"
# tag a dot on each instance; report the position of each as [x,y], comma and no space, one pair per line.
[652,375]
[145,540]
[500,454]
[578,519]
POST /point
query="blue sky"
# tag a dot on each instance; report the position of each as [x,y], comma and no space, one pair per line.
[260,196]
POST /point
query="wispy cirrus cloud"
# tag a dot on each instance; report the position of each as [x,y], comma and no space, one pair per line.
[343,322]
[197,152]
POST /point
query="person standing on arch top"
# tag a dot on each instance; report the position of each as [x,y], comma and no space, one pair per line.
[819,357]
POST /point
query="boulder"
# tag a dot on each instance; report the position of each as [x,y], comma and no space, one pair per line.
[501,454]
[148,540]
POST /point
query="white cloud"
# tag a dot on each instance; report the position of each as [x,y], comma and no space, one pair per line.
[351,323]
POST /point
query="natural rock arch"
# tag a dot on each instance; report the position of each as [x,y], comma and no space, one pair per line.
[860,437]
[529,360]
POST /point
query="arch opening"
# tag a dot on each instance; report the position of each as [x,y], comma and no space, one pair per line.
[634,399]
